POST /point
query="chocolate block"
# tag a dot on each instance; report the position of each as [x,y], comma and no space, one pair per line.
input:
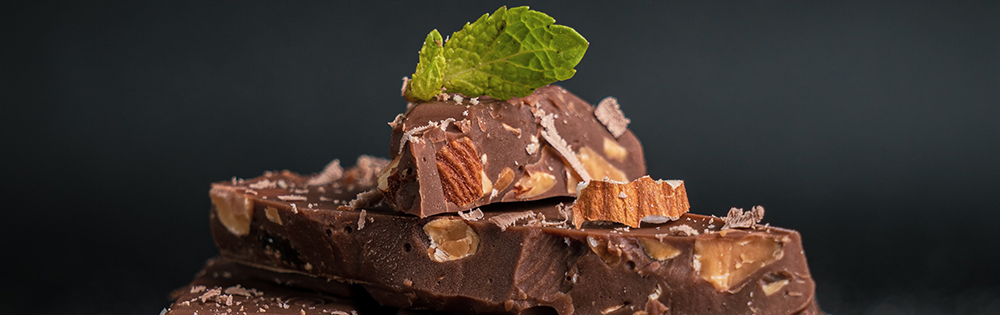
[515,258]
[456,155]
[224,287]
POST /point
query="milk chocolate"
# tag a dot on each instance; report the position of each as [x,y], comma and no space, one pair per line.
[514,258]
[459,154]
[225,287]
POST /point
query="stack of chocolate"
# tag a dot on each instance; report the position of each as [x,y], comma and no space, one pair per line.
[533,205]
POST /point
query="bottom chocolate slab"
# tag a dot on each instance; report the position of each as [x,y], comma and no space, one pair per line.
[225,287]
[518,258]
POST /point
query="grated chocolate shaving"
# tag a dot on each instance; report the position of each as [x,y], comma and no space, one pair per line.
[551,135]
[406,83]
[610,114]
[330,173]
[507,219]
[264,184]
[238,290]
[737,218]
[366,199]
[292,198]
[210,294]
[472,215]
[684,229]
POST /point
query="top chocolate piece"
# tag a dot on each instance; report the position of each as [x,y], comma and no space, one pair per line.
[459,154]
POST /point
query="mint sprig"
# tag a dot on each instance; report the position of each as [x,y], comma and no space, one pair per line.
[508,54]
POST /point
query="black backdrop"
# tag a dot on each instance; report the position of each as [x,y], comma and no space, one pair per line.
[869,127]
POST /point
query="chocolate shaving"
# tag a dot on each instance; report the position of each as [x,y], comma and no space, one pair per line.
[366,199]
[366,169]
[610,114]
[210,294]
[361,219]
[551,135]
[472,215]
[507,219]
[737,218]
[402,90]
[330,173]
[292,198]
[685,230]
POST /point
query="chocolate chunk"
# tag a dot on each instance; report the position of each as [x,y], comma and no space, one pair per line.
[224,287]
[522,258]
[459,154]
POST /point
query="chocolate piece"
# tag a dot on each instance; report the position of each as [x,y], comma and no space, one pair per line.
[459,154]
[225,287]
[525,258]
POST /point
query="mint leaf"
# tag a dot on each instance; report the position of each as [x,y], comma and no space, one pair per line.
[508,54]
[427,79]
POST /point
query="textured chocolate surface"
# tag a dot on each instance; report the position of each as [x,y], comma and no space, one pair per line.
[462,153]
[526,259]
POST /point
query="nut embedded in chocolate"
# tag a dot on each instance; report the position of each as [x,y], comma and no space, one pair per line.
[450,239]
[460,171]
[233,209]
[727,261]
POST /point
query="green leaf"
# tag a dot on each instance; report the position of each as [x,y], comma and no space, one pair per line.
[508,54]
[427,79]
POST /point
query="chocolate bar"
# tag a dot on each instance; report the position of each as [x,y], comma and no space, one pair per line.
[225,287]
[459,154]
[512,258]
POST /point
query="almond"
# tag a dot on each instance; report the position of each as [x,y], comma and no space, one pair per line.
[460,170]
[726,261]
[629,203]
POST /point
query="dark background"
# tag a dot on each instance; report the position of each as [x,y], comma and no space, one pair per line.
[872,128]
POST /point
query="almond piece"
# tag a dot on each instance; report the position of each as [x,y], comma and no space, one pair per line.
[505,178]
[534,184]
[598,167]
[658,250]
[450,239]
[726,261]
[614,151]
[460,170]
[234,209]
[629,203]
